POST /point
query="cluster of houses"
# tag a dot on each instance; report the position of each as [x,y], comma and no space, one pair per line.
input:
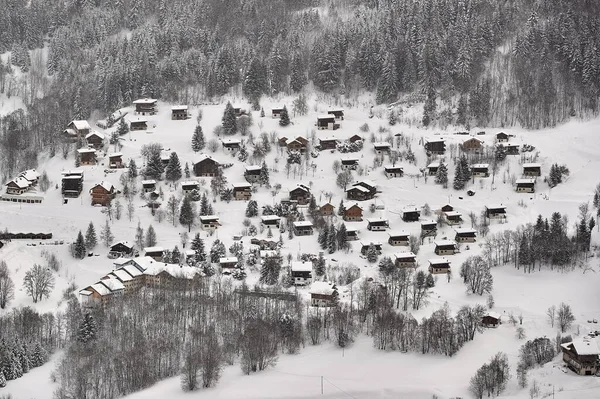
[23,188]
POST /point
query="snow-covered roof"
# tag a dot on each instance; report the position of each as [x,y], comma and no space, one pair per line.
[349,159]
[189,183]
[465,230]
[122,275]
[440,243]
[121,261]
[72,173]
[138,120]
[386,167]
[86,150]
[101,289]
[85,292]
[495,206]
[330,138]
[369,183]
[153,249]
[435,140]
[480,165]
[30,174]
[452,213]
[322,288]
[253,168]
[325,116]
[269,217]
[428,222]
[94,133]
[439,261]
[525,181]
[124,243]
[177,271]
[584,347]
[20,182]
[81,125]
[148,181]
[231,141]
[367,244]
[203,157]
[115,154]
[113,284]
[434,164]
[208,218]
[132,270]
[165,156]
[532,165]
[70,132]
[106,185]
[241,185]
[359,188]
[398,234]
[410,209]
[301,187]
[404,255]
[381,144]
[304,223]
[377,220]
[179,108]
[495,315]
[228,259]
[472,138]
[145,101]
[335,110]
[301,266]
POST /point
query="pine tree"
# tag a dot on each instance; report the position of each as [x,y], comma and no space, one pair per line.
[392,117]
[252,209]
[263,178]
[372,254]
[320,266]
[198,141]
[387,88]
[323,236]
[461,174]
[106,235]
[90,237]
[341,208]
[176,256]
[151,239]
[122,129]
[132,171]
[441,177]
[342,244]
[332,239]
[270,270]
[2,379]
[173,169]
[154,167]
[87,329]
[217,251]
[255,82]
[79,250]
[187,214]
[284,119]
[204,205]
[242,153]
[38,358]
[298,77]
[229,120]
[197,246]
[139,236]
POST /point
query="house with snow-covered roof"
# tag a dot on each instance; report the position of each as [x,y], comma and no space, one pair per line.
[465,234]
[138,124]
[206,166]
[209,222]
[391,171]
[242,191]
[76,129]
[179,112]
[87,156]
[155,253]
[525,185]
[382,147]
[491,319]
[115,160]
[301,272]
[31,175]
[323,294]
[439,266]
[252,173]
[17,186]
[303,228]
[146,106]
[102,193]
[532,169]
[95,139]
[582,355]
[445,247]
[405,259]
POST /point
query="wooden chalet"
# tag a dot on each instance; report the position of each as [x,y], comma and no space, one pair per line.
[351,234]
[18,186]
[354,138]
[495,211]
[231,145]
[31,175]
[270,220]
[327,209]
[465,235]
[301,272]
[103,193]
[435,147]
[146,106]
[301,194]
[72,184]
[353,214]
[87,156]
[480,170]
[439,266]
[433,167]
[148,185]
[364,247]
[297,145]
[327,122]
[472,145]
[165,157]
[582,355]
[77,129]
[179,112]
[405,259]
[377,224]
[532,169]
[228,262]
[95,139]
[398,238]
[303,228]
[452,218]
[393,171]
[188,186]
[328,143]
[121,248]
[411,214]
[206,166]
[239,111]
[491,319]
[525,185]
[138,124]
[115,160]
[428,228]
[323,294]
[338,113]
[447,208]
[349,163]
[276,112]
[242,191]
[511,149]
[362,191]
[502,137]
[209,223]
[155,253]
[252,173]
[382,147]
[282,142]
[445,247]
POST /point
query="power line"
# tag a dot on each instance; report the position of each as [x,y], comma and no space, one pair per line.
[346,393]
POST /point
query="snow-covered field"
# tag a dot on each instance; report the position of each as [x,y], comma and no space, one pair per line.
[360,371]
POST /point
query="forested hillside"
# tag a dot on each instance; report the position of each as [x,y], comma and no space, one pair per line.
[472,62]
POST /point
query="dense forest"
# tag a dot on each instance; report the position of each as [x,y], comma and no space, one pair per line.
[471,62]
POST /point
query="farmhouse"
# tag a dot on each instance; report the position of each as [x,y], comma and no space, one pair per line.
[472,145]
[445,247]
[323,294]
[351,234]
[188,186]
[353,214]
[120,248]
[349,163]
[525,185]
[115,160]
[231,145]
[72,184]
[242,191]
[327,122]
[76,129]
[270,220]
[532,169]
[148,185]
[495,211]
[435,147]
[382,147]
[209,222]
[398,238]
[206,166]
[452,217]
[439,266]
[502,137]
[433,167]
[252,173]
[465,235]
[411,214]
[146,106]
[327,209]
[328,143]
[405,259]
[18,186]
[155,253]
[179,112]
[491,319]
[480,170]
[276,112]
[364,247]
[338,113]
[87,156]
[94,139]
[228,262]
[138,124]
[393,171]
[377,224]
[303,228]
[102,193]
[301,194]
[582,355]
[301,272]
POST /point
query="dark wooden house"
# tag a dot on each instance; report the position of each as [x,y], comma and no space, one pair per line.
[393,171]
[303,228]
[435,147]
[364,247]
[206,166]
[351,234]
[270,220]
[338,113]
[433,167]
[231,145]
[445,247]
[94,139]
[323,294]
[179,112]
[146,106]
[102,193]
[439,266]
[354,138]
[428,229]
[72,184]
[502,137]
[297,145]
[148,185]
[121,248]
[382,148]
[188,186]
[495,211]
[480,170]
[532,169]
[582,355]
[209,223]
[252,173]
[525,185]
[405,259]
[491,319]
[77,129]
[242,191]
[349,163]
[411,214]
[301,272]
[398,238]
[452,218]
[472,145]
[87,156]
[327,209]
[138,124]
[353,214]
[327,122]
[276,112]
[377,224]
[301,194]
[155,253]
[465,235]
[328,143]
[115,160]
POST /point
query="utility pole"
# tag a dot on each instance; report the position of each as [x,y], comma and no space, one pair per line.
[321,385]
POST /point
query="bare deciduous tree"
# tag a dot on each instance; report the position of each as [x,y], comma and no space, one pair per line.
[7,287]
[38,282]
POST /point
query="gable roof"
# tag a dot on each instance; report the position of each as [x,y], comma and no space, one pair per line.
[322,288]
[30,174]
[20,182]
[298,266]
[441,243]
[94,133]
[145,101]
[80,125]
[438,261]
[105,185]
[203,158]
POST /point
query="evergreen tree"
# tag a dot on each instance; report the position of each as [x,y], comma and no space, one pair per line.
[90,237]
[270,270]
[252,209]
[263,178]
[323,236]
[87,329]
[229,120]
[2,379]
[320,266]
[106,235]
[151,239]
[139,236]
[132,171]
[298,77]
[173,169]
[372,254]
[441,177]
[197,246]
[341,208]
[342,244]
[176,256]
[387,88]
[38,357]
[154,167]
[198,141]
[187,214]
[461,173]
[123,128]
[217,251]
[79,250]
[332,239]
[242,153]
[262,112]
[255,83]
[284,119]
[204,205]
